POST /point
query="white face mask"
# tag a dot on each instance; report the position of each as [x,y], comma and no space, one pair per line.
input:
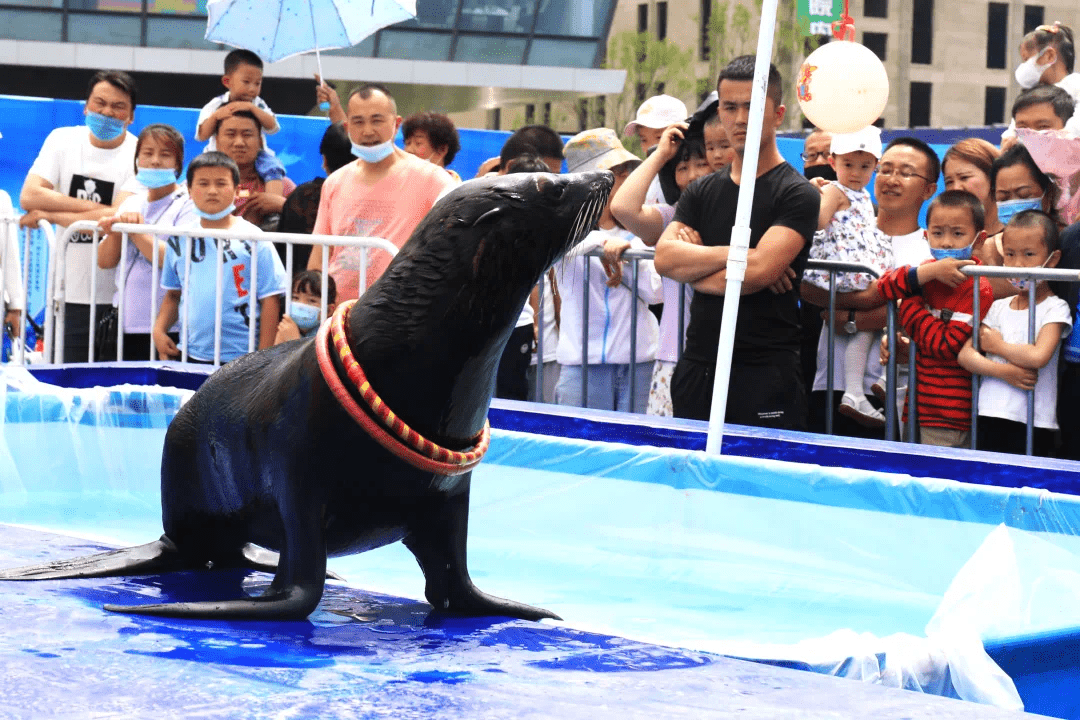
[1029,72]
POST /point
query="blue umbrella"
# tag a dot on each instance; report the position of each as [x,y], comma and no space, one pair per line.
[278,29]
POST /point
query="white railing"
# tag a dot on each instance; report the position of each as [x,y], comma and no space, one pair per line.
[9,225]
[57,265]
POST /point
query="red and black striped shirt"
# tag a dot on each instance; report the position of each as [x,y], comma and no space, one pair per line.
[938,319]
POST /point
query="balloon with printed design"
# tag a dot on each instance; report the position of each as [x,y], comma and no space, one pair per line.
[842,87]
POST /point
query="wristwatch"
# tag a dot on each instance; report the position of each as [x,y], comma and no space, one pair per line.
[850,327]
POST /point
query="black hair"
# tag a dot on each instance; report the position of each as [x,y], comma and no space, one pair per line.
[365,91]
[933,164]
[742,70]
[1017,154]
[960,199]
[213,158]
[336,147]
[244,114]
[439,129]
[236,58]
[310,281]
[527,163]
[532,140]
[1057,35]
[160,131]
[119,80]
[1037,218]
[1057,98]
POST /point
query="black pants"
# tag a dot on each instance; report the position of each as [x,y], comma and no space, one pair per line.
[77,332]
[1068,410]
[765,390]
[512,383]
[1009,436]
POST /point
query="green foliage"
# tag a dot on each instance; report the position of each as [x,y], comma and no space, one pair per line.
[650,64]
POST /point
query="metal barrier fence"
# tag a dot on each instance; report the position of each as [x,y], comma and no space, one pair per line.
[9,230]
[53,335]
[57,265]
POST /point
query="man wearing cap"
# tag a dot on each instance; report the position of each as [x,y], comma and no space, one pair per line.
[766,387]
[613,299]
[653,117]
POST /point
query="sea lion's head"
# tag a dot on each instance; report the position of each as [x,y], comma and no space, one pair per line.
[523,223]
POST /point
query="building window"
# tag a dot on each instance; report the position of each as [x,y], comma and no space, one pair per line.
[661,20]
[1033,17]
[706,17]
[994,109]
[530,114]
[875,42]
[922,32]
[876,8]
[919,105]
[640,92]
[997,34]
[547,114]
[642,18]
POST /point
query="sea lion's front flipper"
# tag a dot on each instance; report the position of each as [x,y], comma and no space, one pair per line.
[155,557]
[438,540]
[298,579]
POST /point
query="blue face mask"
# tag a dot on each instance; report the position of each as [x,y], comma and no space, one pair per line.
[305,316]
[214,216]
[963,253]
[154,178]
[375,153]
[103,127]
[1008,208]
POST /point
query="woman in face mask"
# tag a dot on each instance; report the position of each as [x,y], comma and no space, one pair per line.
[1047,54]
[1019,185]
[159,161]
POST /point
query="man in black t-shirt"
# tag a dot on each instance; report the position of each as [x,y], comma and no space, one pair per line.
[766,388]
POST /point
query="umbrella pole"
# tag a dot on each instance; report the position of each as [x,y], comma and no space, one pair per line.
[324,106]
[740,233]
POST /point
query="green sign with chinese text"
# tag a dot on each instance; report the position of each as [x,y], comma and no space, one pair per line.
[817,16]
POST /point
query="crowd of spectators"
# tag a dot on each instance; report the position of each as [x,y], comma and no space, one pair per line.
[856,199]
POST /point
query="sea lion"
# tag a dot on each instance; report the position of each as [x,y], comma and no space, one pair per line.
[265,456]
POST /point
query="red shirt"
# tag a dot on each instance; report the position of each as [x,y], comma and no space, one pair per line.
[939,321]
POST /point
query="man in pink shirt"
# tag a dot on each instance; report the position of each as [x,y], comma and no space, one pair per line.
[385,193]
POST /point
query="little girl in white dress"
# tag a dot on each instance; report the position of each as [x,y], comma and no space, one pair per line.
[847,232]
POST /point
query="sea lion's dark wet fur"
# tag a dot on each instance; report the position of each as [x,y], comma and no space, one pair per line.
[263,455]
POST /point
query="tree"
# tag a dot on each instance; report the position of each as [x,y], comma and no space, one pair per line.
[652,67]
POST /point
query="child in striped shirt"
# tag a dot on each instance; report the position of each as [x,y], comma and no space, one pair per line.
[936,311]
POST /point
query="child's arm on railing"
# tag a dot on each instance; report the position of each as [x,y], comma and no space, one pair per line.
[1023,354]
[168,314]
[978,364]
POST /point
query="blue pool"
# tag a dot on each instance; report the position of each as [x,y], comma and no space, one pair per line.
[657,556]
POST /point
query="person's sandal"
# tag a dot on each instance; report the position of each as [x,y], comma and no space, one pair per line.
[861,411]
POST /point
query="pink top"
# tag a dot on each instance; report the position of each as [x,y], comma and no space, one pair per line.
[390,209]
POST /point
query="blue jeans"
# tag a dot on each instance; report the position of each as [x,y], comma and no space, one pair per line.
[609,387]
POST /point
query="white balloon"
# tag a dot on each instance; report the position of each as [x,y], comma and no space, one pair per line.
[842,87]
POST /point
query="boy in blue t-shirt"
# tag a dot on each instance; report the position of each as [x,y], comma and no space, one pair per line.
[212,179]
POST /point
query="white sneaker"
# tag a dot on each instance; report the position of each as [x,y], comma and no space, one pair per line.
[861,411]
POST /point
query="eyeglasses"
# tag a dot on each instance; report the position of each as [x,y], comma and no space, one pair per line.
[902,173]
[807,157]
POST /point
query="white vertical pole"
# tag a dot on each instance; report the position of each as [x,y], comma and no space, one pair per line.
[740,233]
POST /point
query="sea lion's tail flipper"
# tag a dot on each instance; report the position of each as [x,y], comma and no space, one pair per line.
[155,557]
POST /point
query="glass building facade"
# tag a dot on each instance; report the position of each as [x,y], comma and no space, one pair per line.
[560,33]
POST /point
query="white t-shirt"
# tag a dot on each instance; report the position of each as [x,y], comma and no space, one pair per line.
[212,107]
[669,319]
[547,319]
[609,307]
[910,249]
[10,236]
[76,168]
[999,399]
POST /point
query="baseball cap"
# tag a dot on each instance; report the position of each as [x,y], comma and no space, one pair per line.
[657,112]
[868,140]
[597,149]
